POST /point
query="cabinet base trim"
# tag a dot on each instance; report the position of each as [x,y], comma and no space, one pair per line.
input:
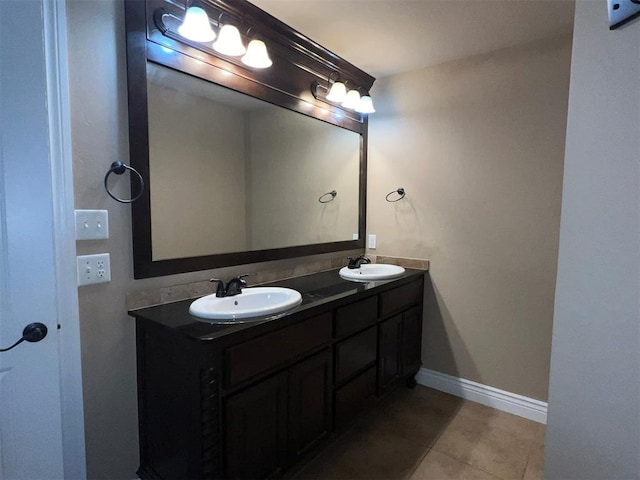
[484,394]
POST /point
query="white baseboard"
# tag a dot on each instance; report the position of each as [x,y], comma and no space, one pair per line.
[492,397]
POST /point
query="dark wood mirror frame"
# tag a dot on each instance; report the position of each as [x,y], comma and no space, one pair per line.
[297,63]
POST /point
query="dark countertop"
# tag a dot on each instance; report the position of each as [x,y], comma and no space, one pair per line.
[317,289]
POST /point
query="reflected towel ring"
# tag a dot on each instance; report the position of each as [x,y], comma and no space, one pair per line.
[333,194]
[119,168]
[399,191]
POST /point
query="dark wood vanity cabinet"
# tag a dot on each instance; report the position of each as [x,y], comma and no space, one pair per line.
[254,401]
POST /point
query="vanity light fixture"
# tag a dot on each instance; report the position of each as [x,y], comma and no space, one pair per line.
[365,105]
[257,55]
[352,100]
[196,25]
[229,41]
[338,91]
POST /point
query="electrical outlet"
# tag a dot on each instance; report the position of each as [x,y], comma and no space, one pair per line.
[93,269]
[92,224]
[372,241]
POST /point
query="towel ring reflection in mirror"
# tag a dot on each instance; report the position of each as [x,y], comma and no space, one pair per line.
[332,193]
[119,168]
[400,191]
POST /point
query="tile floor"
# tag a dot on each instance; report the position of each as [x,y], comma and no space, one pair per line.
[424,434]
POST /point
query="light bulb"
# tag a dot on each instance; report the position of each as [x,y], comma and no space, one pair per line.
[196,26]
[229,42]
[352,100]
[338,93]
[257,55]
[365,105]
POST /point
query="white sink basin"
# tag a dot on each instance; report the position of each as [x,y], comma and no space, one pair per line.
[371,271]
[252,302]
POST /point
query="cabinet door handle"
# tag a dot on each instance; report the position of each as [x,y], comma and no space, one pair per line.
[34,332]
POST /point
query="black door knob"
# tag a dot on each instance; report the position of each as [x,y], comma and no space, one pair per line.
[34,332]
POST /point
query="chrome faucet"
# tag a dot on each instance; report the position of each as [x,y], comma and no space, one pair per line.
[234,287]
[358,261]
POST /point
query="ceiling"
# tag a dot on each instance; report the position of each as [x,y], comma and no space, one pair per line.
[384,37]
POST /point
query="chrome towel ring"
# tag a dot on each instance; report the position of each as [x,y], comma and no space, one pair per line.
[333,194]
[119,168]
[399,191]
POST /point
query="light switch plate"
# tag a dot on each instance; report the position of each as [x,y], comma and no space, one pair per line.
[372,241]
[93,269]
[92,224]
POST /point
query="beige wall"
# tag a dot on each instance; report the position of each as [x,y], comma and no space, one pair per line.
[98,94]
[198,182]
[306,158]
[478,146]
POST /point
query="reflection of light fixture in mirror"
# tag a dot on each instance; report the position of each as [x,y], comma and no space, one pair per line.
[365,105]
[257,55]
[196,26]
[352,100]
[336,93]
[229,41]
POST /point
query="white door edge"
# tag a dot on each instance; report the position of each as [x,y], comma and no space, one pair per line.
[73,437]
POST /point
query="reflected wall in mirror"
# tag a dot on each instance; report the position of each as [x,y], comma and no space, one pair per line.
[231,173]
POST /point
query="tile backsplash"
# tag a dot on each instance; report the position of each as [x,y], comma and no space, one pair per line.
[417,263]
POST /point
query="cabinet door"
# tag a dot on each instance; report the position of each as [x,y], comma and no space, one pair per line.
[309,404]
[256,430]
[389,358]
[412,341]
[354,398]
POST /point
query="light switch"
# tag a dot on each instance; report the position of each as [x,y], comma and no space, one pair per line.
[92,224]
[372,241]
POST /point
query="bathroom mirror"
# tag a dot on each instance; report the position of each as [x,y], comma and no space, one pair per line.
[230,173]
[240,165]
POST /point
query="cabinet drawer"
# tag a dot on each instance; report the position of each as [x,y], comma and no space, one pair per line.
[354,397]
[355,354]
[356,316]
[248,359]
[401,298]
